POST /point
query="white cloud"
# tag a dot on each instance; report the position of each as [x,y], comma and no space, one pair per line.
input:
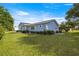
[22,13]
[37,18]
[58,19]
[50,6]
[26,18]
[68,4]
[34,20]
[47,16]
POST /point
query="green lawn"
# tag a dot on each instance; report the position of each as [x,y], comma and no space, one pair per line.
[18,44]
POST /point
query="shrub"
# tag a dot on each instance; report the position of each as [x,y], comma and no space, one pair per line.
[50,32]
[41,32]
[18,30]
[27,31]
[67,29]
[23,31]
[1,32]
[60,31]
[38,32]
[57,31]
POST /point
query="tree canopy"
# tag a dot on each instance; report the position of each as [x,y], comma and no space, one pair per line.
[73,12]
[6,19]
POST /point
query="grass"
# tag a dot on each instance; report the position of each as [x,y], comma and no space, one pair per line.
[18,44]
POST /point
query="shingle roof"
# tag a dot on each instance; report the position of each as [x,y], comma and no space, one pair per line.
[43,22]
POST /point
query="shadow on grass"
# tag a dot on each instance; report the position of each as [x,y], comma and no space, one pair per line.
[52,45]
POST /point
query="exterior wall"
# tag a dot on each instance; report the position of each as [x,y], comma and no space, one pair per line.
[21,27]
[41,27]
[49,26]
[52,26]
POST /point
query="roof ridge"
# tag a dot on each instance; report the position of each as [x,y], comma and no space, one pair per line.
[42,22]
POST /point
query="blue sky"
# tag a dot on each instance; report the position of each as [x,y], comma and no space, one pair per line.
[35,12]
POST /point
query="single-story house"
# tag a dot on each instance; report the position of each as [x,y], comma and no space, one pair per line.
[51,25]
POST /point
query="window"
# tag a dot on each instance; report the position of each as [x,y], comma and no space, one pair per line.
[32,27]
[40,25]
[46,26]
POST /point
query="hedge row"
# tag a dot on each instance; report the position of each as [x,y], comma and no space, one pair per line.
[41,32]
[44,32]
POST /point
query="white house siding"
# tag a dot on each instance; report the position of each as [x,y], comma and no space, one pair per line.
[29,29]
[52,26]
[41,27]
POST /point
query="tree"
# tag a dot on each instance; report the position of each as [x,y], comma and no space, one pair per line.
[6,19]
[70,24]
[1,32]
[73,12]
[64,26]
